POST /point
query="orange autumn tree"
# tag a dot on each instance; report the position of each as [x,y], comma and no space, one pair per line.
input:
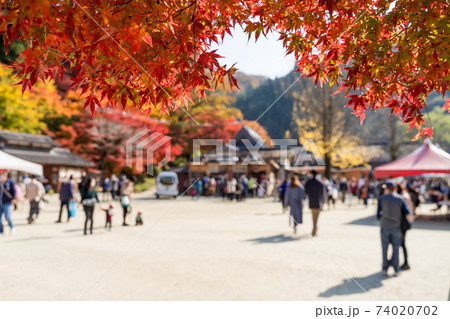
[140,54]
[102,139]
[211,119]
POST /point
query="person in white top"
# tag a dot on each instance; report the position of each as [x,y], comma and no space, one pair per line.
[231,188]
[34,190]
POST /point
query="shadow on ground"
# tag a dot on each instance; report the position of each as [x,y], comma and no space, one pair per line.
[349,287]
[35,224]
[35,238]
[418,224]
[275,239]
[80,230]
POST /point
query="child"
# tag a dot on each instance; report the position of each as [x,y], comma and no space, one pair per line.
[139,220]
[109,214]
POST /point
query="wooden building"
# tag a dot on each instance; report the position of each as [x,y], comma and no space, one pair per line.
[248,154]
[41,149]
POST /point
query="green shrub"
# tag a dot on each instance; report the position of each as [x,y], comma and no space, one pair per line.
[147,183]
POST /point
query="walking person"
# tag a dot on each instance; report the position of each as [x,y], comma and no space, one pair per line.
[66,194]
[353,187]
[331,193]
[109,211]
[114,186]
[244,182]
[293,198]
[405,226]
[212,186]
[364,194]
[252,187]
[198,185]
[391,207]
[316,193]
[106,188]
[231,188]
[343,188]
[34,190]
[282,191]
[83,184]
[126,192]
[7,197]
[205,185]
[88,199]
[223,188]
[239,190]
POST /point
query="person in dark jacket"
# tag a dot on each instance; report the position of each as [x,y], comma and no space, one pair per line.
[88,200]
[282,191]
[7,197]
[391,207]
[343,188]
[315,190]
[66,194]
[294,196]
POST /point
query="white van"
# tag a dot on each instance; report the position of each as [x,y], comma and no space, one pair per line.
[167,184]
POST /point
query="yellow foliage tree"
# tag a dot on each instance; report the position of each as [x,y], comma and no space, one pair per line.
[31,112]
[320,116]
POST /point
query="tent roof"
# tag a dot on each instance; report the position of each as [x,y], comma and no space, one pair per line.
[55,156]
[428,158]
[9,162]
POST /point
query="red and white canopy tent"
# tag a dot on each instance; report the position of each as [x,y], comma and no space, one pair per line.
[428,158]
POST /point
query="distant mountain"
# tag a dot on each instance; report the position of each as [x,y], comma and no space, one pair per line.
[248,82]
[272,106]
[261,100]
[435,100]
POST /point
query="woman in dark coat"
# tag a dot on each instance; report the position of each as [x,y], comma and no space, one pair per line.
[293,198]
[88,200]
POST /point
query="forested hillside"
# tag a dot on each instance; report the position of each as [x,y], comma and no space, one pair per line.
[276,111]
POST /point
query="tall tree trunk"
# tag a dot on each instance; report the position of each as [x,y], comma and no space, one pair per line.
[393,143]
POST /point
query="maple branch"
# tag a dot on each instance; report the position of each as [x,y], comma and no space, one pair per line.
[181,10]
[122,4]
[176,37]
[184,28]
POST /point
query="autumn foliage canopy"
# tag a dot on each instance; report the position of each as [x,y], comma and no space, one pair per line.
[156,53]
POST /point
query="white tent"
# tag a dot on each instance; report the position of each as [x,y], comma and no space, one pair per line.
[9,162]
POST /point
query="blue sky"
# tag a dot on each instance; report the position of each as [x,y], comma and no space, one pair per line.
[264,57]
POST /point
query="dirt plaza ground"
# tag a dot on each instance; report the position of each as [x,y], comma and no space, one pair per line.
[214,250]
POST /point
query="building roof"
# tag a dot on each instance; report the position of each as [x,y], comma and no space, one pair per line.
[180,169]
[27,140]
[55,156]
[247,133]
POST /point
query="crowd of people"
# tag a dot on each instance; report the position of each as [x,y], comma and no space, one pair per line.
[72,195]
[397,202]
[232,188]
[351,191]
[121,190]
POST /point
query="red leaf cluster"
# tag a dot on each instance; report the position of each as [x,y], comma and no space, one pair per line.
[143,54]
